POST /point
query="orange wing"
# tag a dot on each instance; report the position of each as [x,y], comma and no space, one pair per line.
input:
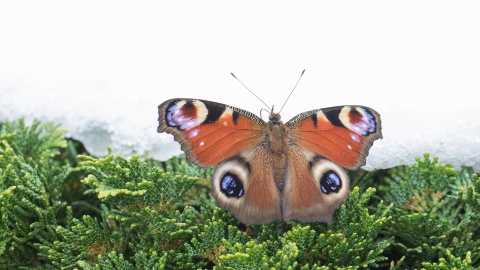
[315,187]
[244,185]
[209,132]
[342,134]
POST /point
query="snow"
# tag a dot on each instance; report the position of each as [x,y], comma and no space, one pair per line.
[102,68]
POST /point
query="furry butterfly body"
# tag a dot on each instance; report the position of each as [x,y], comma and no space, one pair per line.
[273,171]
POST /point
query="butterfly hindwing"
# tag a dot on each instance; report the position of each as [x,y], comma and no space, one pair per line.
[342,134]
[243,185]
[315,187]
[209,132]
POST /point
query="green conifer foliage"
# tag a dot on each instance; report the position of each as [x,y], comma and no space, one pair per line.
[436,214]
[160,215]
[30,184]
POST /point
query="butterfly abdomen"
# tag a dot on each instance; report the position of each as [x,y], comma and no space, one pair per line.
[277,146]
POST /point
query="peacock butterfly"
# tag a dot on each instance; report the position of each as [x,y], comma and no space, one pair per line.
[273,171]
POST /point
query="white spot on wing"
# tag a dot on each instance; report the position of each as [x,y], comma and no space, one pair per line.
[227,113]
[201,143]
[355,137]
[193,133]
[191,123]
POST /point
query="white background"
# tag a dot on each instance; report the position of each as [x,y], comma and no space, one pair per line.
[101,68]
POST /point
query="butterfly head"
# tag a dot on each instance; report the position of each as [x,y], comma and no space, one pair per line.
[275,118]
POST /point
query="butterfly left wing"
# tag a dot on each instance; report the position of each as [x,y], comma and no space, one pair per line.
[244,185]
[343,134]
[212,133]
[207,131]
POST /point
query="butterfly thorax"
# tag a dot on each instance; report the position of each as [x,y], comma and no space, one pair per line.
[277,144]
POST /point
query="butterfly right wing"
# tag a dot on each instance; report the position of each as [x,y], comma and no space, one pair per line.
[315,187]
[320,141]
[343,134]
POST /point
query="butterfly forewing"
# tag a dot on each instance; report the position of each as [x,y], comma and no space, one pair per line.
[342,134]
[209,132]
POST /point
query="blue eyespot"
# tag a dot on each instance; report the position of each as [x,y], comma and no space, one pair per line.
[330,182]
[231,186]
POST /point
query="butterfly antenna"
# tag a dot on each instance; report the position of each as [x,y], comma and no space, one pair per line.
[292,90]
[250,90]
[263,109]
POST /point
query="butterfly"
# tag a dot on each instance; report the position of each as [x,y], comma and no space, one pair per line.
[273,171]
